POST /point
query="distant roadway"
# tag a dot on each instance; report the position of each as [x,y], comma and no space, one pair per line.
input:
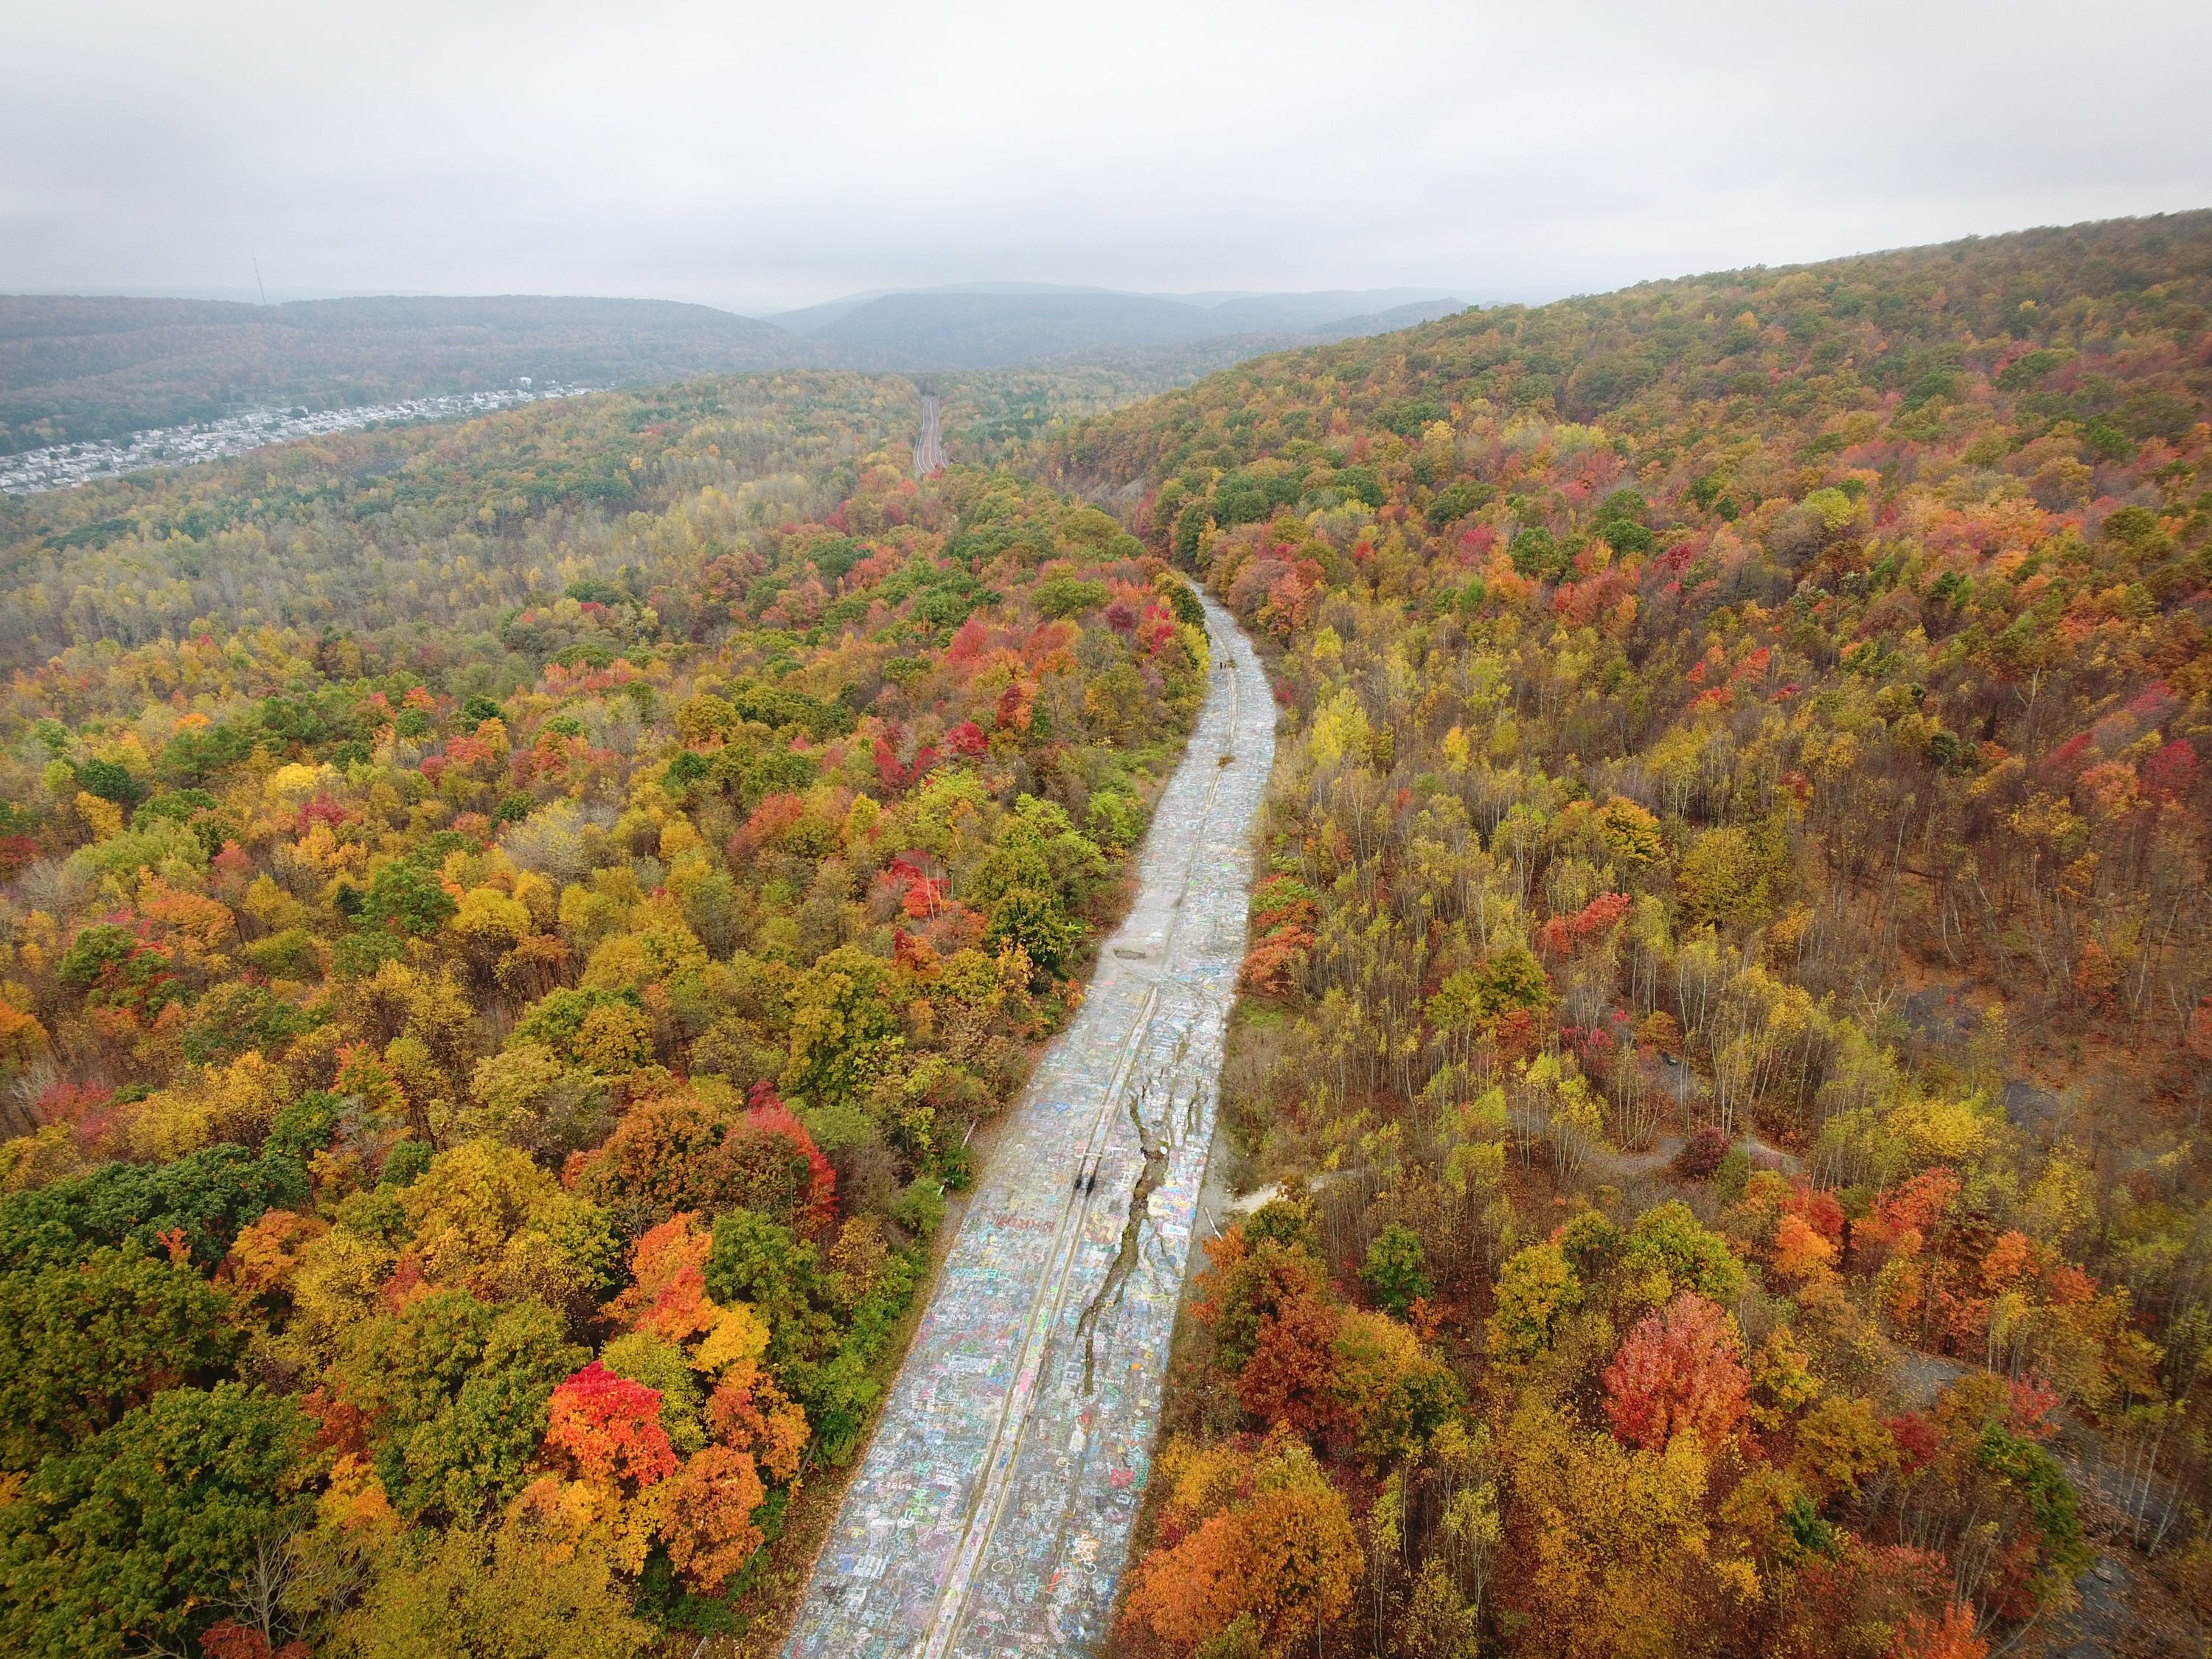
[929,448]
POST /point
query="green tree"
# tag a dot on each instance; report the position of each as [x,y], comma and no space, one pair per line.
[110,782]
[1536,1285]
[757,1261]
[1034,921]
[89,1341]
[1396,1270]
[206,1197]
[458,1390]
[404,898]
[137,1539]
[2040,1480]
[844,1033]
[1668,1250]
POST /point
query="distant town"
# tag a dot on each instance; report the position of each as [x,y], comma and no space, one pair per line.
[61,465]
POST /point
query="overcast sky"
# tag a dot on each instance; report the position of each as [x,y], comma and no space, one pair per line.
[762,156]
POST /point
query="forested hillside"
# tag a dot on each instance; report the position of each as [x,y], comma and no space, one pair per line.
[1727,1004]
[508,931]
[77,369]
[73,369]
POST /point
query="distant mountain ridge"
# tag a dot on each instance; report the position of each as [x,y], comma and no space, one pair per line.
[992,326]
[1232,311]
[77,369]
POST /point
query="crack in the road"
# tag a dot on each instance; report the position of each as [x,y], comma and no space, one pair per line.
[1140,1198]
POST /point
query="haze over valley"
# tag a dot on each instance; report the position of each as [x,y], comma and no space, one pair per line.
[75,369]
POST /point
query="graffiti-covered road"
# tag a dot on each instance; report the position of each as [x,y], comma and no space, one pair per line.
[991,1515]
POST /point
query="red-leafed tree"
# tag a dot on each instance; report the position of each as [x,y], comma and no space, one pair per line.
[768,1114]
[229,1640]
[1681,1370]
[607,1429]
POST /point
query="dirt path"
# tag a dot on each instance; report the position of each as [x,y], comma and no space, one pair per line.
[992,1512]
[1661,1154]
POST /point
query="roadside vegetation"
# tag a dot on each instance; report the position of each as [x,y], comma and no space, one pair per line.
[507,934]
[1726,1022]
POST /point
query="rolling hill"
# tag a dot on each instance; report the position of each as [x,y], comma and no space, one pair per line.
[74,368]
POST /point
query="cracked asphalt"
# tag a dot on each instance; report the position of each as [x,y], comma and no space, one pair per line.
[991,1514]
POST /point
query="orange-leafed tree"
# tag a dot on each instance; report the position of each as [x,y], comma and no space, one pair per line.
[1260,1538]
[1189,1594]
[1250,1276]
[667,1291]
[1681,1369]
[1289,1377]
[706,1515]
[1951,1637]
[607,1429]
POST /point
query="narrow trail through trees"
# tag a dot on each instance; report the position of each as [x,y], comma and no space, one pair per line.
[992,1512]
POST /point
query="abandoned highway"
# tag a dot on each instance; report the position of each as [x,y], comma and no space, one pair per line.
[992,1513]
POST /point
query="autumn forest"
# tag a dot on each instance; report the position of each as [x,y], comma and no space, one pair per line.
[514,938]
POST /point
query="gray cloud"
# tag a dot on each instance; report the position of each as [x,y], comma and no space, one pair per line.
[761,156]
